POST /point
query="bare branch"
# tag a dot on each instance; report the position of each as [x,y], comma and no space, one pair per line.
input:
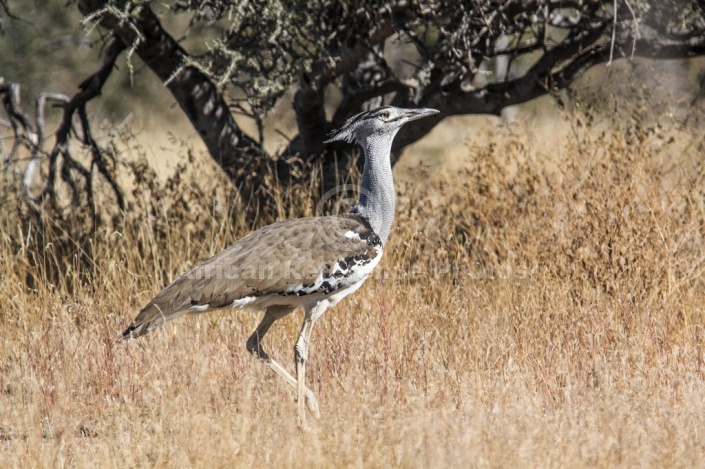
[37,150]
[89,89]
[21,124]
[614,33]
[635,27]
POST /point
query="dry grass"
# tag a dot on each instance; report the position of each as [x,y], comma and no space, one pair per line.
[543,308]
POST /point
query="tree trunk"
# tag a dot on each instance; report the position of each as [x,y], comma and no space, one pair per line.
[239,155]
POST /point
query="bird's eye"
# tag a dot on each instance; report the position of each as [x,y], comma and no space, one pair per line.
[384,116]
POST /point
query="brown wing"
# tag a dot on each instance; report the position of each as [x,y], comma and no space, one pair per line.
[276,259]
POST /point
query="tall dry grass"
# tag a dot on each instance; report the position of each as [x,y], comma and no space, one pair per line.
[543,307]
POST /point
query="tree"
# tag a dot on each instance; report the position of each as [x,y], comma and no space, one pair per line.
[352,49]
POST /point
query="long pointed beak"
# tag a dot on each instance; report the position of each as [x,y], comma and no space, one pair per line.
[414,114]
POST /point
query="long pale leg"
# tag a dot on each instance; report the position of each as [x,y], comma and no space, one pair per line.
[301,354]
[254,346]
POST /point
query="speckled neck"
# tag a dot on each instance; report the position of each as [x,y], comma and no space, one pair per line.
[377,194]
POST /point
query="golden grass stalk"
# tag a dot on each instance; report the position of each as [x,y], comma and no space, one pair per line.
[529,311]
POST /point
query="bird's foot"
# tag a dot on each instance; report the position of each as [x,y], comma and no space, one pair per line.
[312,403]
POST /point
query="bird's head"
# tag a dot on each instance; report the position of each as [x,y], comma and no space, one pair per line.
[385,120]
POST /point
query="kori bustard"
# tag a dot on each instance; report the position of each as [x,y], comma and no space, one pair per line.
[309,262]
